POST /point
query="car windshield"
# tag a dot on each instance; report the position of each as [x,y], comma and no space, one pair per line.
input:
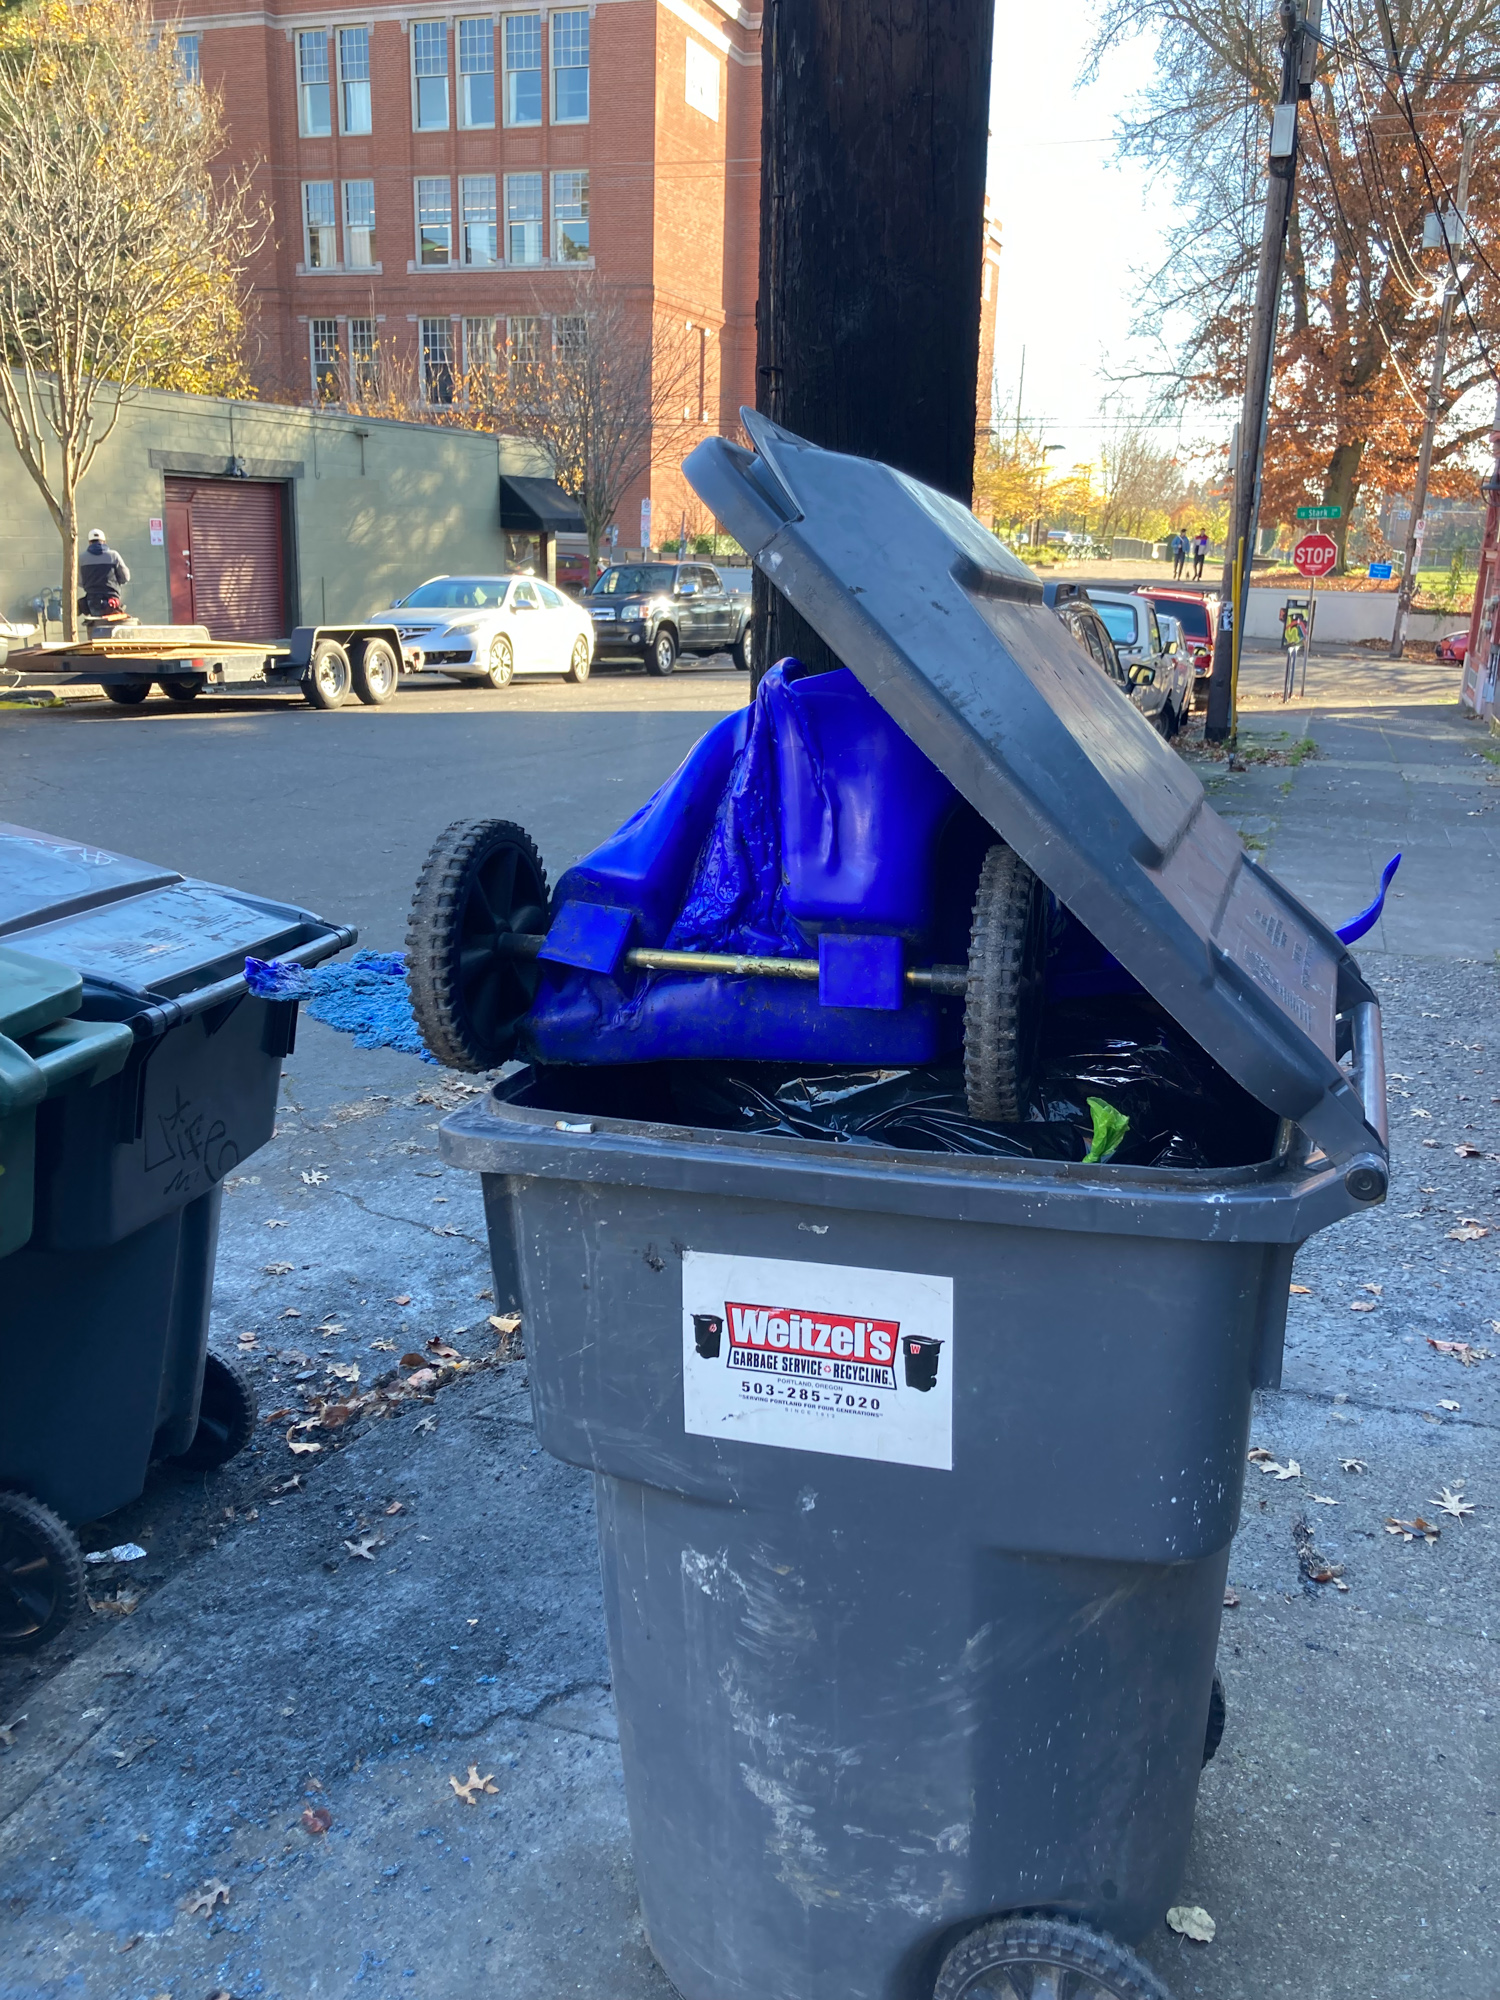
[635,580]
[1119,622]
[1191,614]
[457,593]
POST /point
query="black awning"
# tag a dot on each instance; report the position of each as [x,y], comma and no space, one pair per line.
[538,506]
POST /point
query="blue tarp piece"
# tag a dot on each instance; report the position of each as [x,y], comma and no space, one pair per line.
[366,997]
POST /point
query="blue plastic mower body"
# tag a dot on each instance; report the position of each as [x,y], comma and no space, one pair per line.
[807,826]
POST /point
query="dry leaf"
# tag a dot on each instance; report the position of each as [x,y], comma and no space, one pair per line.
[1464,1350]
[1468,1152]
[1258,1455]
[1376,1290]
[1231,1599]
[1354,1465]
[8,1732]
[317,1820]
[207,1900]
[287,1485]
[423,1378]
[1325,1500]
[366,1546]
[346,1371]
[1262,1458]
[382,1346]
[444,1229]
[401,1299]
[505,1322]
[277,1270]
[275,1222]
[438,1346]
[1304,1290]
[291,1313]
[247,1340]
[1450,1406]
[122,1605]
[1189,1921]
[1413,1530]
[396,1507]
[1467,1232]
[299,1444]
[328,1326]
[471,1788]
[1421,1114]
[1451,1501]
[1361,1305]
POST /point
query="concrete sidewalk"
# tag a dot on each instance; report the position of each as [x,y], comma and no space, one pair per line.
[163,1781]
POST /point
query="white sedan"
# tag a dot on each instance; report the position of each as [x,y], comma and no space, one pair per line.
[492,628]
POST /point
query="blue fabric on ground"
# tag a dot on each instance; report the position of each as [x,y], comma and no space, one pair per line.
[366,997]
[277,979]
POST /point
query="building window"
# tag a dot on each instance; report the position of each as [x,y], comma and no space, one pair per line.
[187,59]
[570,217]
[429,55]
[437,363]
[479,344]
[434,222]
[322,230]
[528,341]
[476,200]
[354,79]
[359,225]
[570,336]
[364,367]
[476,73]
[325,360]
[314,112]
[523,218]
[523,69]
[570,67]
[702,79]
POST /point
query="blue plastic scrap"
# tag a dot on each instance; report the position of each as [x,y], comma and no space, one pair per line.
[1367,919]
[277,979]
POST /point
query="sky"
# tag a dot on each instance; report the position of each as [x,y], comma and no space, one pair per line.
[1079,230]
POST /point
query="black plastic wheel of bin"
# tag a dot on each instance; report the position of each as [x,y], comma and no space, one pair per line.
[41,1573]
[1218,1714]
[1003,998]
[482,880]
[127,694]
[1039,1958]
[181,688]
[226,1416]
[376,672]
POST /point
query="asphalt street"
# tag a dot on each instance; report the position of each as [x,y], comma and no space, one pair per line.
[381,1630]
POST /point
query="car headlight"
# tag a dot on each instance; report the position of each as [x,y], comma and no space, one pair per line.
[465,624]
[632,614]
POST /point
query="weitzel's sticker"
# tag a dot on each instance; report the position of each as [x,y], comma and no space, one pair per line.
[819,1357]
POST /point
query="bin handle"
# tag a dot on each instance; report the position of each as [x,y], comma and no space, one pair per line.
[22,1083]
[153,1021]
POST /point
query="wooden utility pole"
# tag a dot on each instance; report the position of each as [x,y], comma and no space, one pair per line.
[1299,46]
[1416,524]
[874,134]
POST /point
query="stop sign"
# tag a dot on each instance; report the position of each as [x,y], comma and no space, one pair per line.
[1315,555]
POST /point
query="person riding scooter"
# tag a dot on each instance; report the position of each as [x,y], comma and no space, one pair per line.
[103,575]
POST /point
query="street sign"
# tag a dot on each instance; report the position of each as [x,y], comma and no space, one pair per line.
[1380,570]
[1320,513]
[1315,555]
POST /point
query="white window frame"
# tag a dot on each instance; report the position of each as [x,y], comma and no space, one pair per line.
[448,361]
[555,69]
[353,230]
[328,229]
[302,47]
[537,222]
[190,60]
[528,320]
[314,335]
[559,223]
[431,76]
[488,344]
[490,221]
[364,369]
[432,181]
[465,122]
[346,84]
[511,25]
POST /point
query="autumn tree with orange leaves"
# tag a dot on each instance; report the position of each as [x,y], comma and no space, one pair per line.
[1379,144]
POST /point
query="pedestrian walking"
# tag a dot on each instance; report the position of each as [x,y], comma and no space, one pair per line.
[1200,554]
[1179,553]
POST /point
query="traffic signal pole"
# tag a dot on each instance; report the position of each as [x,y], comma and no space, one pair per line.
[1299,45]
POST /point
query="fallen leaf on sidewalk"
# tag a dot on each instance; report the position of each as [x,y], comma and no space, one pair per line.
[1354,1465]
[1291,1470]
[1305,1290]
[1463,1350]
[1421,1114]
[421,1378]
[8,1732]
[1468,1152]
[317,1820]
[287,1485]
[278,1270]
[444,1229]
[275,1222]
[1189,1921]
[1376,1290]
[1468,1230]
[438,1346]
[508,1322]
[401,1299]
[328,1326]
[1450,1406]
[300,1444]
[1314,1565]
[366,1546]
[315,1179]
[291,1313]
[382,1346]
[1324,1500]
[1451,1501]
[1361,1305]
[1231,1599]
[345,1371]
[247,1340]
[396,1507]
[207,1899]
[471,1788]
[122,1604]
[1411,1531]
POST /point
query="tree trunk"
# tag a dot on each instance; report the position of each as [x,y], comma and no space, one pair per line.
[874,133]
[69,526]
[1341,489]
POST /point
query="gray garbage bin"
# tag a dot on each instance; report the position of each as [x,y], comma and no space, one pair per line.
[916,1472]
[104,1340]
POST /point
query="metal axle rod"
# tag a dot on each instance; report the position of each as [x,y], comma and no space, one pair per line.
[945,979]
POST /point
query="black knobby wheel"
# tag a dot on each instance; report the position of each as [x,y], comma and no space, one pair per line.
[1042,1958]
[127,694]
[41,1573]
[1003,998]
[1218,1714]
[483,880]
[226,1416]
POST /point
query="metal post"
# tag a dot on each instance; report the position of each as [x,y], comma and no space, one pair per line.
[1298,48]
[1414,526]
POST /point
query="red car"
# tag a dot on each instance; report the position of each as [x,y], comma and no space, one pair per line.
[1197,612]
[1454,646]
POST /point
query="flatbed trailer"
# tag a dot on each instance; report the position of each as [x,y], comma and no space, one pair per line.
[324,663]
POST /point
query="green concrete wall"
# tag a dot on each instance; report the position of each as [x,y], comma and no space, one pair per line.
[370,517]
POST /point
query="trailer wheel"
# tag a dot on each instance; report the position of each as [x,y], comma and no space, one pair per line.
[41,1573]
[375,673]
[1003,1000]
[181,688]
[127,694]
[482,880]
[328,679]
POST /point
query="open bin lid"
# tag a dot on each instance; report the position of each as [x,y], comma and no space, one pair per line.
[947,629]
[151,937]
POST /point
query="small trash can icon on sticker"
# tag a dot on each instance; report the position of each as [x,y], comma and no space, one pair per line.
[921,1357]
[708,1331]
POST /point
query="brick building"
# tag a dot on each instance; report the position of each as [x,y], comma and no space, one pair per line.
[439,175]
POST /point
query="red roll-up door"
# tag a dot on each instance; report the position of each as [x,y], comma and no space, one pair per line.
[235,558]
